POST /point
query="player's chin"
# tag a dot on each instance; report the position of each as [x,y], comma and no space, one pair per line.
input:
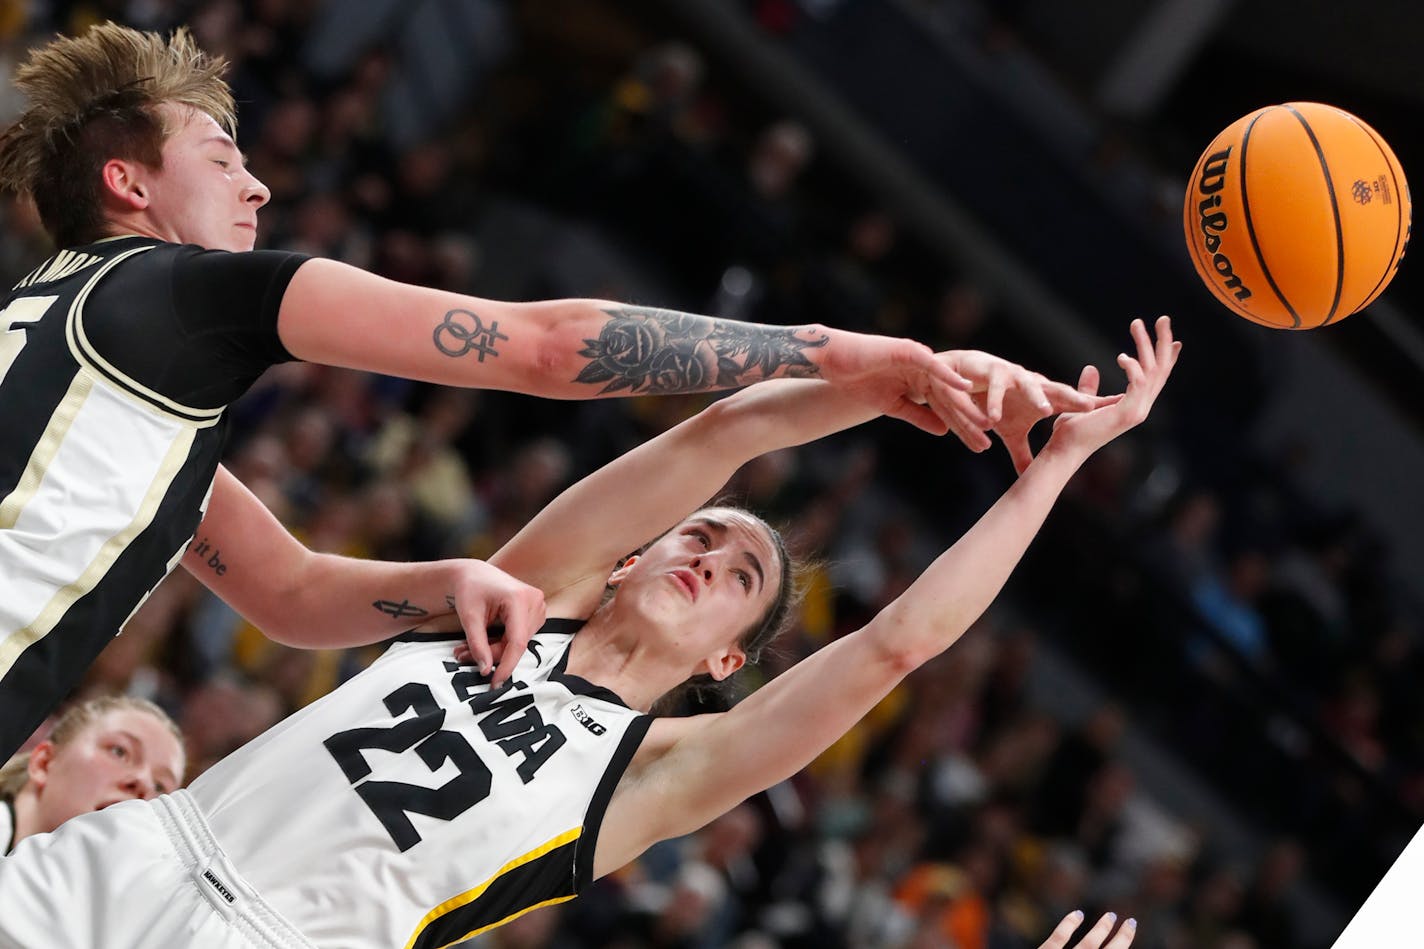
[244,238]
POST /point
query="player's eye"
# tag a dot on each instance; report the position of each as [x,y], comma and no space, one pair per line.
[118,751]
[744,579]
[702,538]
[222,163]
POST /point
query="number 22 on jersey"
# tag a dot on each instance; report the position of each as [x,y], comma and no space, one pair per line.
[507,719]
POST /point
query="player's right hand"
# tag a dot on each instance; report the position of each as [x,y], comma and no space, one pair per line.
[485,596]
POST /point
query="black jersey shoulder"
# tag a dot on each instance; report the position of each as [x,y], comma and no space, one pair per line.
[187,328]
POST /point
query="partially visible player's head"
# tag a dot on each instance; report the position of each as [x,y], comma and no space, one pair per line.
[130,132]
[99,753]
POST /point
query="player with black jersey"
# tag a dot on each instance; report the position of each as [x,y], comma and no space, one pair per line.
[120,354]
[417,803]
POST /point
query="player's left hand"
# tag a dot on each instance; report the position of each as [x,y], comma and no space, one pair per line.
[1093,938]
[486,596]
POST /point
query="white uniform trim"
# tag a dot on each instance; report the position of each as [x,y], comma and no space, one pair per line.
[135,875]
[87,356]
[76,510]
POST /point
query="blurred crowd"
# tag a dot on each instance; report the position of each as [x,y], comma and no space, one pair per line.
[1244,627]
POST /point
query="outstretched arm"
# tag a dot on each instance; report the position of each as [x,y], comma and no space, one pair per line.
[703,766]
[570,547]
[581,349]
[301,598]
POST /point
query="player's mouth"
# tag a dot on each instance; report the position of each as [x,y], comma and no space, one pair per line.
[688,580]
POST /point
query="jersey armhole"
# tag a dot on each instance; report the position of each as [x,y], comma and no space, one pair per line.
[598,806]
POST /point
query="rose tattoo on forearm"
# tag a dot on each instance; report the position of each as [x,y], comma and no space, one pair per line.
[652,351]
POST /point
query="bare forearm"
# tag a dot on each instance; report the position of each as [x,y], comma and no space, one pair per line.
[296,596]
[961,583]
[331,602]
[335,602]
[611,349]
[782,414]
[588,527]
[571,349]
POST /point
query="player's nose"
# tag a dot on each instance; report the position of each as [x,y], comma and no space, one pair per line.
[140,784]
[254,192]
[704,565]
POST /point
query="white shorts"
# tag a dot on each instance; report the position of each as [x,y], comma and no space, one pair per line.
[133,876]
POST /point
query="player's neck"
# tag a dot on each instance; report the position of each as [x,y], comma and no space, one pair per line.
[620,663]
[136,225]
[27,806]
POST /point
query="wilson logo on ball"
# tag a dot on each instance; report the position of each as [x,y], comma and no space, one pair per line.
[1214,221]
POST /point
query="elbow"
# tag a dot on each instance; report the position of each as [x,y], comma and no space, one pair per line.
[897,649]
[556,363]
[551,358]
[721,430]
[282,612]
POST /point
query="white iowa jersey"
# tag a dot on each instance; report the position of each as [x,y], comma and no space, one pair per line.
[412,807]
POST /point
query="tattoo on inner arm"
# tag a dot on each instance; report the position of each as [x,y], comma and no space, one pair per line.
[399,610]
[462,331]
[647,350]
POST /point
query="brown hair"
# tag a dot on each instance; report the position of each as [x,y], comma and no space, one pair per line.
[93,98]
[15,773]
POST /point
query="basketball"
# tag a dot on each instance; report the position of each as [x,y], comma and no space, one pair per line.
[1297,215]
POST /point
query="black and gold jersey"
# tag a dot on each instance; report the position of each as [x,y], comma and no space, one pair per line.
[117,362]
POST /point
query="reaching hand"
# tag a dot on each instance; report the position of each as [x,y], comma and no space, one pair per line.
[1086,432]
[904,379]
[1013,399]
[1093,938]
[486,595]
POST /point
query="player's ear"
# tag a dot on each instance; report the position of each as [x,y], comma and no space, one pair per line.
[124,184]
[621,574]
[37,768]
[724,662]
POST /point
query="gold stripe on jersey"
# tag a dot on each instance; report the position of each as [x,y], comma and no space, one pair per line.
[469,896]
[45,449]
[66,596]
[85,353]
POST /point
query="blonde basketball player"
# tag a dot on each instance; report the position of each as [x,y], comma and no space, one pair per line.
[98,753]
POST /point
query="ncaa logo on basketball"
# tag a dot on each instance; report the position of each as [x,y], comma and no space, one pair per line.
[1365,191]
[1213,222]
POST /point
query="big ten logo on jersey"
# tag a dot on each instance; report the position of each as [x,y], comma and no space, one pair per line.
[586,720]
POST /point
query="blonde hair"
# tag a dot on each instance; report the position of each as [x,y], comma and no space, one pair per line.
[95,97]
[15,773]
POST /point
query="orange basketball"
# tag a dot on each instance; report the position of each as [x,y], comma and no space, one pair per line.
[1297,215]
